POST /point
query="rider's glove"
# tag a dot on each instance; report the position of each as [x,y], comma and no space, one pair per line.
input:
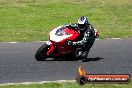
[73,43]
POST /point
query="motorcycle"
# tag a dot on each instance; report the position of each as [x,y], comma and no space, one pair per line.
[57,45]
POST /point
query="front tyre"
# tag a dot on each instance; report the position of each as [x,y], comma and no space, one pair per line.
[41,53]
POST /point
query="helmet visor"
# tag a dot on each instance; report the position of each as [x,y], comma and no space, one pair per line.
[81,26]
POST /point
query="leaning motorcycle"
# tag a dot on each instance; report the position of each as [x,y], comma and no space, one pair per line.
[57,45]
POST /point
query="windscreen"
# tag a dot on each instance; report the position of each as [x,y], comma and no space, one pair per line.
[60,31]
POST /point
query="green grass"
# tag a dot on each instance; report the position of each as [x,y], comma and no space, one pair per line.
[69,85]
[31,20]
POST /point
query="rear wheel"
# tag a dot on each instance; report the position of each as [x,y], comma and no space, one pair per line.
[41,53]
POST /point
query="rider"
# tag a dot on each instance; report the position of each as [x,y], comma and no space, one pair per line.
[86,37]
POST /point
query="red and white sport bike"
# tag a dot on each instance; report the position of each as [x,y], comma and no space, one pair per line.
[57,45]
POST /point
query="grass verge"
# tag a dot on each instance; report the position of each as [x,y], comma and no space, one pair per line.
[31,20]
[69,85]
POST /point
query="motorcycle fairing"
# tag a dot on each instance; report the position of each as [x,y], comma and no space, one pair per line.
[58,34]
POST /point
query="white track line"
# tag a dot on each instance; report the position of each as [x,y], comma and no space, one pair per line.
[10,42]
[116,38]
[13,42]
[39,82]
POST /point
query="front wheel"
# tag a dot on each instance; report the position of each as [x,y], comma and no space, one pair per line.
[41,53]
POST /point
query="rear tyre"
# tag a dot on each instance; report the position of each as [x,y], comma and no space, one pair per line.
[41,53]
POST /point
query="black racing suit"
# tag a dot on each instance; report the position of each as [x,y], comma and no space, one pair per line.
[85,40]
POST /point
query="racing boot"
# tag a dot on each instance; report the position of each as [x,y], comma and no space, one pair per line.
[78,53]
[84,55]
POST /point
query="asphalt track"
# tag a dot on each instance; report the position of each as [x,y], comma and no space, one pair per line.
[107,56]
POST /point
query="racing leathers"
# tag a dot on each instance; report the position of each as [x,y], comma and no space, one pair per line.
[85,40]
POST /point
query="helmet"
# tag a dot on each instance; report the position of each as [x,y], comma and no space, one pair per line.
[82,22]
